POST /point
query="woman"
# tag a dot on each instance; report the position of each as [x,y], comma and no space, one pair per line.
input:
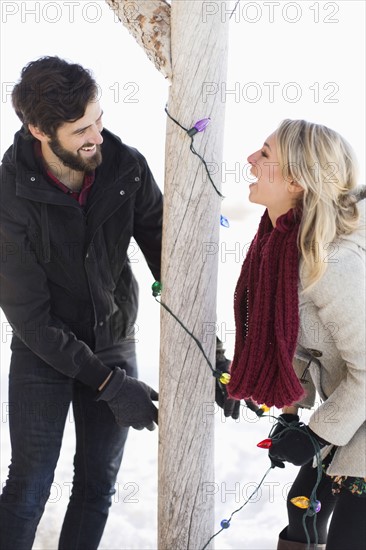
[300,326]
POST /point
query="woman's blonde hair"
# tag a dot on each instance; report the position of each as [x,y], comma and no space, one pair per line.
[323,163]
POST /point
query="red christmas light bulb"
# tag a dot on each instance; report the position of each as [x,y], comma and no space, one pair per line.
[265,444]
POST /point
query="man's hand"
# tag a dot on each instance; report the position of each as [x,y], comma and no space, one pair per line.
[231,407]
[130,400]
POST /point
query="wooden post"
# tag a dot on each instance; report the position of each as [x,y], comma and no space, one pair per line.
[187,42]
[189,278]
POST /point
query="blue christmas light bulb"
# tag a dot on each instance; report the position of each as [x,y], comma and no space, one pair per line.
[224,221]
[225,523]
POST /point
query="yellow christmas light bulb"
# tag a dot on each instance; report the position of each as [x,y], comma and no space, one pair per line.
[304,502]
[301,502]
[225,378]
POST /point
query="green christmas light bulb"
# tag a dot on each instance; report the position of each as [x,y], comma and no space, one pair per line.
[156,288]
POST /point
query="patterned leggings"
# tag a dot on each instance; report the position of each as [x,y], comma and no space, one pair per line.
[347,528]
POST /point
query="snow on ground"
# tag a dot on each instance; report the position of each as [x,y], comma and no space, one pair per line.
[239,464]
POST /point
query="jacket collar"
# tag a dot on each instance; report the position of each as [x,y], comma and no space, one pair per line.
[118,173]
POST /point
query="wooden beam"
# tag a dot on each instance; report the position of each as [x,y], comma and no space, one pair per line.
[189,278]
[149,23]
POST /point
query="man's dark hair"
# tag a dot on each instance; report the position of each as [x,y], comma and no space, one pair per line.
[52,91]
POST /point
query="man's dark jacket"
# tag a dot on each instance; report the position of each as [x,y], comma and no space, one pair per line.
[66,285]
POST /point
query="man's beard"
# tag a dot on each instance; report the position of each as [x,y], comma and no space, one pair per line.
[75,160]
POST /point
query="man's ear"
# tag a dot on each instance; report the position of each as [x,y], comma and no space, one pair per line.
[37,133]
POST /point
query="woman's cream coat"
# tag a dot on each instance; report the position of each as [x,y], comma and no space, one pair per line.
[332,336]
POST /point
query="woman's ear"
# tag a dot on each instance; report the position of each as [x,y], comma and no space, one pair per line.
[295,188]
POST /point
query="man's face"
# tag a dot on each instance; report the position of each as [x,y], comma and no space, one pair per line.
[77,144]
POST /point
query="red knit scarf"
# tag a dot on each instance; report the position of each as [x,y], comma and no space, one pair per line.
[266,308]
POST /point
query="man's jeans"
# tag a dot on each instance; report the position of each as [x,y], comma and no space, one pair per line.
[39,400]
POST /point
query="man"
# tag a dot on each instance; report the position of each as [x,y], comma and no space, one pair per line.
[72,196]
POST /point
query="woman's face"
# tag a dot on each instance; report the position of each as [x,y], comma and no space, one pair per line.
[271,188]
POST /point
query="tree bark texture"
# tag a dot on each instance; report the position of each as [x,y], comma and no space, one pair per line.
[189,279]
[149,23]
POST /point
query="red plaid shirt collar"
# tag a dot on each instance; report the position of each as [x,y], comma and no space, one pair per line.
[82,195]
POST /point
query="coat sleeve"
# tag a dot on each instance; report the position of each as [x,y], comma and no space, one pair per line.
[148,219]
[340,298]
[25,300]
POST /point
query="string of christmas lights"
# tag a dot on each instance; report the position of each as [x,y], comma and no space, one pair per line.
[311,505]
[225,523]
[222,376]
[200,126]
[234,9]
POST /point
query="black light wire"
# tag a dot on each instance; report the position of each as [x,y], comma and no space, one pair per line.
[234,9]
[217,374]
[312,500]
[193,150]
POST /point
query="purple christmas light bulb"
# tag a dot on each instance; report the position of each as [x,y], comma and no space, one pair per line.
[200,126]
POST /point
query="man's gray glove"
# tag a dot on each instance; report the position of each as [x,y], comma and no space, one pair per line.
[130,400]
